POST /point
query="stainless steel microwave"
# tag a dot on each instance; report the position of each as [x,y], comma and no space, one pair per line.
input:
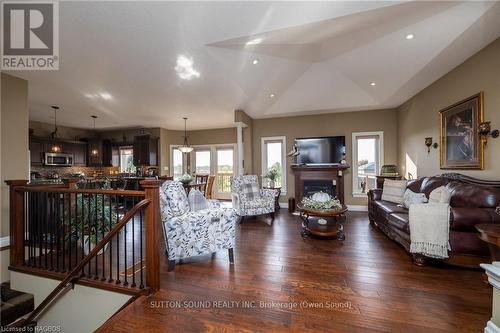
[58,159]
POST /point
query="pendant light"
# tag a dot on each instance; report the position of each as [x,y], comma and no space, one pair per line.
[56,147]
[185,148]
[94,151]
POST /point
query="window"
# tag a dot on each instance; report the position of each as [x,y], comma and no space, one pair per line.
[273,158]
[202,162]
[367,159]
[176,163]
[127,160]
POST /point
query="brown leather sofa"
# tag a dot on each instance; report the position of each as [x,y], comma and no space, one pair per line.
[473,201]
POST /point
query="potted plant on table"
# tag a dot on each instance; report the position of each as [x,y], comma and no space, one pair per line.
[273,174]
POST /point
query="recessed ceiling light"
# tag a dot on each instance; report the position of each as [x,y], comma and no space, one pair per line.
[254,41]
[185,68]
[373,84]
[106,96]
[272,95]
[255,61]
[410,36]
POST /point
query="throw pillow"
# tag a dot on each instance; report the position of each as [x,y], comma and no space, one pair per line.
[440,195]
[197,200]
[251,191]
[394,190]
[411,197]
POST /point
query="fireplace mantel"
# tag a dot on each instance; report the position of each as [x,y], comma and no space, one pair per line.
[319,172]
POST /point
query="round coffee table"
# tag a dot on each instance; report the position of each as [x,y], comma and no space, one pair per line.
[334,227]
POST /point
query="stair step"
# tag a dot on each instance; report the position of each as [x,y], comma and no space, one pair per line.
[15,304]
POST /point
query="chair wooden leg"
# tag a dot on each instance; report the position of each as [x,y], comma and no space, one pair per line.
[241,219]
[272,217]
[213,255]
[231,255]
[171,265]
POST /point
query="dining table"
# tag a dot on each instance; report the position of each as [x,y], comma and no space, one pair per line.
[197,185]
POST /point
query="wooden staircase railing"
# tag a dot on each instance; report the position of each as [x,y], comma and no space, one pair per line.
[44,220]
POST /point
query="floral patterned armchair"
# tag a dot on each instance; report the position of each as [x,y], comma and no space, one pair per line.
[188,233]
[249,199]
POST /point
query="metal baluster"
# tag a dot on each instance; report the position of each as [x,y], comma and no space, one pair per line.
[103,227]
[50,228]
[140,239]
[89,214]
[46,224]
[117,249]
[30,231]
[110,279]
[125,264]
[133,245]
[96,276]
[82,208]
[59,225]
[70,231]
[63,227]
[40,224]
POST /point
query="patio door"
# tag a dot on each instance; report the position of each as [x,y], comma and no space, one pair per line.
[225,169]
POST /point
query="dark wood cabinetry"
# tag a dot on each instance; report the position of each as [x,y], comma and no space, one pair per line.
[37,151]
[79,151]
[100,153]
[39,146]
[145,151]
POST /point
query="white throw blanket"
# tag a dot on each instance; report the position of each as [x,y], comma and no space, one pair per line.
[430,229]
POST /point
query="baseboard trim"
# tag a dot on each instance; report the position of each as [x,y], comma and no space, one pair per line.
[491,328]
[357,208]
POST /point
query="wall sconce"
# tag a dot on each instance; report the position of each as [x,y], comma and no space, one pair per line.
[429,144]
[484,130]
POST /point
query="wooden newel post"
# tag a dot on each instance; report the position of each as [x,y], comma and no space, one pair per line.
[152,233]
[16,213]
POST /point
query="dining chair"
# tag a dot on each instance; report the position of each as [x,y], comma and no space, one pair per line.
[209,187]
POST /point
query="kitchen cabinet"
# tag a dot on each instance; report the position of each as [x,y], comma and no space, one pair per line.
[39,146]
[79,151]
[100,153]
[145,151]
[37,151]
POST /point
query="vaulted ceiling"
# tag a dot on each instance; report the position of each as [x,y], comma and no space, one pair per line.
[118,59]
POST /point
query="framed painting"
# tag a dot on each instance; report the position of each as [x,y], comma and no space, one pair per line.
[461,146]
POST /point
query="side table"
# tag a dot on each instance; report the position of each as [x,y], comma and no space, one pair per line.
[490,233]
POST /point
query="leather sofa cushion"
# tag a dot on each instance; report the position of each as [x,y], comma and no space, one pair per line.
[390,207]
[429,184]
[465,219]
[400,221]
[469,195]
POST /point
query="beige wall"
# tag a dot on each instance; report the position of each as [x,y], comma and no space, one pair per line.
[13,148]
[328,125]
[418,117]
[14,138]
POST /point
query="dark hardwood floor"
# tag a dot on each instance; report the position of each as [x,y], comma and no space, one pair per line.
[365,284]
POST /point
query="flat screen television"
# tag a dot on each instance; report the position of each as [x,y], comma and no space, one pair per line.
[320,151]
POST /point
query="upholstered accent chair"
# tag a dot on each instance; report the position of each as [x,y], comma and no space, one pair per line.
[188,233]
[249,199]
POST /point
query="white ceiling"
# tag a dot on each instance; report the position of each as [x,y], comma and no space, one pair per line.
[314,56]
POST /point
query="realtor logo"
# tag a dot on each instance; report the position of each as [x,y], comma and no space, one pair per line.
[30,35]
